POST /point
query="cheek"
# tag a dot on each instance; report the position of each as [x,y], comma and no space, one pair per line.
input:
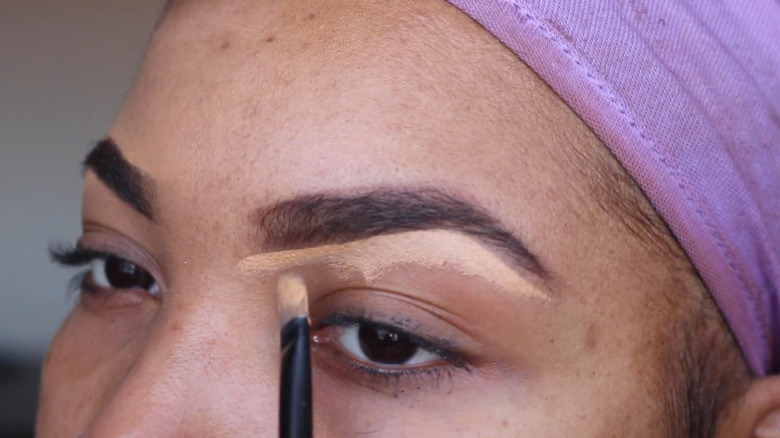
[87,359]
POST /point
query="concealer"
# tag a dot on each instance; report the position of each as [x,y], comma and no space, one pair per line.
[434,249]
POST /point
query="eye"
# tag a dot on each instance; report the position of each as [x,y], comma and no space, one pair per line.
[385,357]
[384,345]
[112,272]
[105,271]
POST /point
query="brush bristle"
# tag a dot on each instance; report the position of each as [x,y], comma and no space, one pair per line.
[293,298]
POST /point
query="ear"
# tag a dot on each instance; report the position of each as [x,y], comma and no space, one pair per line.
[757,414]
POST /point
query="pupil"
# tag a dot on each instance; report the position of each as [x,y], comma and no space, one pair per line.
[125,275]
[385,345]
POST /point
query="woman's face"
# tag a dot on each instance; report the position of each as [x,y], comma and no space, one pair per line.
[438,199]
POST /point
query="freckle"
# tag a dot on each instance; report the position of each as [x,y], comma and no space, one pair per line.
[311,16]
[176,326]
[270,39]
[225,45]
[504,424]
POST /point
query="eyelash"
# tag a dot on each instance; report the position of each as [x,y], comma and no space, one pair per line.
[397,380]
[71,256]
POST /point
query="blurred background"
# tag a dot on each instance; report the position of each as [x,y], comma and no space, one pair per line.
[64,69]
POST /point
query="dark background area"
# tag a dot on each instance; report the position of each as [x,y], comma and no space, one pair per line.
[18,395]
[64,69]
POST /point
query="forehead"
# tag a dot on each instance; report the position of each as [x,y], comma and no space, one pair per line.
[317,93]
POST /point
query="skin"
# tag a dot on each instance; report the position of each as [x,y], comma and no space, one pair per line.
[241,104]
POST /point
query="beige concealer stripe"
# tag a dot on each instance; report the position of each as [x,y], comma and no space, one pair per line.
[434,249]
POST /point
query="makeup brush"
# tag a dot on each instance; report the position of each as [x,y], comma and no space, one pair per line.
[295,408]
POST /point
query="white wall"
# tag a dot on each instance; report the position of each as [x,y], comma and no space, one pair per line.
[64,68]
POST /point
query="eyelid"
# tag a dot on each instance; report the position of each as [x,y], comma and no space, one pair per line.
[101,238]
[72,256]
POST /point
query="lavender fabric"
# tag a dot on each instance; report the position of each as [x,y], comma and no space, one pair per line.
[686,94]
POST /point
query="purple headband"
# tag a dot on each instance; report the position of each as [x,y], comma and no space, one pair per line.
[686,94]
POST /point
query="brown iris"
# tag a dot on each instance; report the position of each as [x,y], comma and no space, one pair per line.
[385,345]
[122,274]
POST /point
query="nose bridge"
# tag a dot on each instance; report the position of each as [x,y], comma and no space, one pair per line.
[208,367]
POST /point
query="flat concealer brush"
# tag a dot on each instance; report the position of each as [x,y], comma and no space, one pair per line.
[295,406]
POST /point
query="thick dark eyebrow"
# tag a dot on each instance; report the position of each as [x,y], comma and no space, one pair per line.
[127,181]
[314,220]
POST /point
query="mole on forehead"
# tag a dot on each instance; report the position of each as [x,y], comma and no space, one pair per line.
[372,257]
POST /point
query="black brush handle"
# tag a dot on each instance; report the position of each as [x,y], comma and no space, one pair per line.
[295,409]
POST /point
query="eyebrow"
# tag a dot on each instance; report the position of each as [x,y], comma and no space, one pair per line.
[316,220]
[320,219]
[128,182]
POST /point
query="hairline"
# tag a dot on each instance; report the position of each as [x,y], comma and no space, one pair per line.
[703,360]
